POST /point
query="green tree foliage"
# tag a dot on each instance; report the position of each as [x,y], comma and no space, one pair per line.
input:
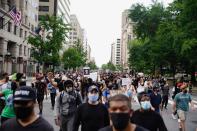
[46,49]
[71,58]
[74,56]
[92,65]
[79,47]
[109,66]
[165,37]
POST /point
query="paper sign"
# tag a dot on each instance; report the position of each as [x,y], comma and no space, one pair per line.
[126,81]
[93,76]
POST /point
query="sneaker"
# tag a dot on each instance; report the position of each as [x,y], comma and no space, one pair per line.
[173,116]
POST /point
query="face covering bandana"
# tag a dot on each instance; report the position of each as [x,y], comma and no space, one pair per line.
[120,120]
[145,105]
[93,98]
[23,112]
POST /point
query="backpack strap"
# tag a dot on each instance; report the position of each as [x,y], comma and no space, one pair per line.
[61,95]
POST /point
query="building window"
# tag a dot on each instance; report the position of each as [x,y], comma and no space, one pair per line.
[1,22]
[29,51]
[9,26]
[21,32]
[36,18]
[44,8]
[24,50]
[26,4]
[25,34]
[26,20]
[44,0]
[2,4]
[20,50]
[15,29]
[32,28]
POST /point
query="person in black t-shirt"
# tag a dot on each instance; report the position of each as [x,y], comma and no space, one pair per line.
[120,112]
[146,117]
[26,118]
[41,90]
[91,115]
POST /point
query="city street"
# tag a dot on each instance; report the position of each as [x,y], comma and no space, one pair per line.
[171,124]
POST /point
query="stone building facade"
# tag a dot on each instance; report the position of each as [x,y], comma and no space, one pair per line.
[14,50]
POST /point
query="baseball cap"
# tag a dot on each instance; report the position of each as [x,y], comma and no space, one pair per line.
[24,93]
[68,82]
[93,87]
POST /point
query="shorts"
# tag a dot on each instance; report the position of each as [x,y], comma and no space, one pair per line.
[182,115]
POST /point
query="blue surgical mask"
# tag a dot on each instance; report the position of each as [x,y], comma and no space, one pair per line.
[145,105]
[93,97]
[129,93]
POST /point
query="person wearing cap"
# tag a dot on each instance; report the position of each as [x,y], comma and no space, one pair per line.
[26,118]
[146,116]
[181,104]
[66,105]
[92,115]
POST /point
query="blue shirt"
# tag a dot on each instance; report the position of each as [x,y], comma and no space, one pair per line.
[51,88]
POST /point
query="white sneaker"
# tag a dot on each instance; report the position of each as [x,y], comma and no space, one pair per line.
[173,116]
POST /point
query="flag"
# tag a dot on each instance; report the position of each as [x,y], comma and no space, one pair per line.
[12,13]
[16,16]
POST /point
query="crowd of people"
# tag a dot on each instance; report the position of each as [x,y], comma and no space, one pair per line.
[101,105]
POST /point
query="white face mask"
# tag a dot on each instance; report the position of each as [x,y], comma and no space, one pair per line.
[69,89]
[145,105]
[93,97]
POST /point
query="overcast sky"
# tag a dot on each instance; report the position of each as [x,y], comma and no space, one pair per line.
[102,21]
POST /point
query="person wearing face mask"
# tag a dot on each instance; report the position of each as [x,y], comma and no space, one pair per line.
[146,117]
[120,112]
[26,118]
[181,104]
[66,105]
[91,115]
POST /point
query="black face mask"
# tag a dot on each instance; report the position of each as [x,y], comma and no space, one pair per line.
[120,120]
[23,112]
[185,91]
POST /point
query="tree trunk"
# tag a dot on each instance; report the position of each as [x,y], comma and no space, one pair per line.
[192,73]
[174,73]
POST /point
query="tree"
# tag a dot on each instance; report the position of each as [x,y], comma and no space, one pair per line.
[79,47]
[92,65]
[165,37]
[46,49]
[71,58]
[74,56]
[109,66]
